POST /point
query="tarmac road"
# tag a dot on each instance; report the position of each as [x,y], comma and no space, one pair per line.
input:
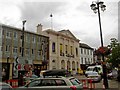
[113,84]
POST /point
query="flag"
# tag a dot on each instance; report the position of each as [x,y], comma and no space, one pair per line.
[24,22]
[51,15]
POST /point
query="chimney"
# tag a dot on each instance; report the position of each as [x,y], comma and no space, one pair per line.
[39,28]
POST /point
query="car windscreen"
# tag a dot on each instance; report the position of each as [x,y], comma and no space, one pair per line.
[74,81]
[93,74]
[89,69]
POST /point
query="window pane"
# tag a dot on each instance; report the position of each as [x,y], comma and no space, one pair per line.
[61,47]
[76,52]
[34,83]
[60,82]
[53,47]
[74,81]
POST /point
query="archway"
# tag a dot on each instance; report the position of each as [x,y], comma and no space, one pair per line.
[78,65]
[73,65]
[62,64]
[68,65]
[53,64]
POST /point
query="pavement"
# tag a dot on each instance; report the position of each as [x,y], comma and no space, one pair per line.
[113,84]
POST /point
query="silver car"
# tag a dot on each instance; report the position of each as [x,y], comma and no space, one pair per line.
[5,86]
[54,83]
[95,77]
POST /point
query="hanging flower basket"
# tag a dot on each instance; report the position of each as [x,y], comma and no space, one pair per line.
[103,51]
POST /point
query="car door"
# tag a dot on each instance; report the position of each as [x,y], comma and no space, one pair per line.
[61,85]
[40,84]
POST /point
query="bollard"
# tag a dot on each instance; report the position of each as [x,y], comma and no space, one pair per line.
[13,83]
[88,84]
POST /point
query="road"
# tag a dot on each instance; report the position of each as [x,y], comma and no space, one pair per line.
[113,84]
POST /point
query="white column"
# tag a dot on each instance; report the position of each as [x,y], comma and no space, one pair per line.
[59,64]
[75,66]
[66,64]
[10,73]
[70,64]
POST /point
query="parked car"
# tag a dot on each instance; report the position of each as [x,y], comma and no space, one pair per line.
[94,76]
[29,79]
[56,72]
[55,83]
[94,69]
[113,74]
[5,86]
[118,78]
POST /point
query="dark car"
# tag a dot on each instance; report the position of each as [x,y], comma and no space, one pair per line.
[118,78]
[56,72]
[113,74]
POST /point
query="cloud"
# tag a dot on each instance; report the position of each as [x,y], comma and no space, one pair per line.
[10,13]
[38,12]
[76,16]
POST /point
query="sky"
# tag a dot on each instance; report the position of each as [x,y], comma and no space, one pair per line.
[73,15]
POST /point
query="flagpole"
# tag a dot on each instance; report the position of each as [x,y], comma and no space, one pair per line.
[51,21]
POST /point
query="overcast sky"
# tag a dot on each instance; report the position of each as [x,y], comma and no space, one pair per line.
[75,15]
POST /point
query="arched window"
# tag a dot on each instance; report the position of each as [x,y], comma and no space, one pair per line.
[53,64]
[62,64]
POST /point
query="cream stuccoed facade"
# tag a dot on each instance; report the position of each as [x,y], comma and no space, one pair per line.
[63,49]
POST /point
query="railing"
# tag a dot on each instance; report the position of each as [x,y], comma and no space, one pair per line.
[87,83]
[13,83]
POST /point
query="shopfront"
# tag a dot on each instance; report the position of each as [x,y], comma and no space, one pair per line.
[5,71]
[38,68]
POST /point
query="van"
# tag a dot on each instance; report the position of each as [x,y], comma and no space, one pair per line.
[94,69]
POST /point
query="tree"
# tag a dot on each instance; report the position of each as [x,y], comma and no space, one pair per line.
[113,43]
[114,57]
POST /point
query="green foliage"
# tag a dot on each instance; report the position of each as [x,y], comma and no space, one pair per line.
[114,57]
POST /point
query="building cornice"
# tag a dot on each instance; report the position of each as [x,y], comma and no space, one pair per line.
[83,45]
[60,34]
[26,31]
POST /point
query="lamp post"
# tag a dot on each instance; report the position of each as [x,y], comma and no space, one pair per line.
[95,6]
[23,37]
[7,68]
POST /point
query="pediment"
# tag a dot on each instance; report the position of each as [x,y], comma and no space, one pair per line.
[67,33]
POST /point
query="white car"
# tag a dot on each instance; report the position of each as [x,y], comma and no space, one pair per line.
[94,76]
[94,69]
[54,83]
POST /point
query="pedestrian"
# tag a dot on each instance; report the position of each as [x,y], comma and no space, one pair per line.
[20,80]
[3,74]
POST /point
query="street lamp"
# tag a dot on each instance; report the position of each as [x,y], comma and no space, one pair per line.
[23,37]
[95,6]
[7,67]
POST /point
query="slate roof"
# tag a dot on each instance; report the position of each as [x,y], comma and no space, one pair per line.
[83,45]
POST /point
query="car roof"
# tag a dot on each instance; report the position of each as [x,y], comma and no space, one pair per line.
[3,83]
[91,67]
[50,77]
